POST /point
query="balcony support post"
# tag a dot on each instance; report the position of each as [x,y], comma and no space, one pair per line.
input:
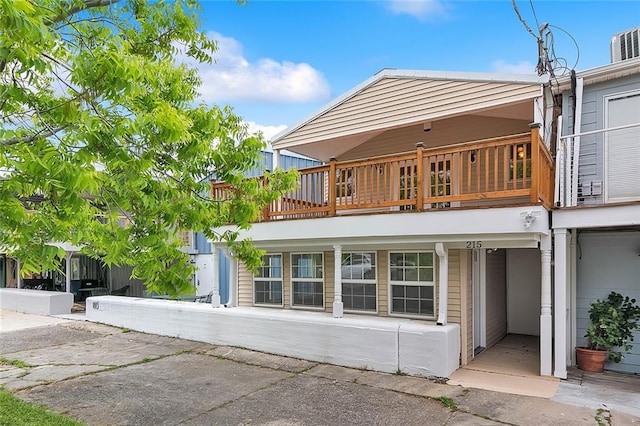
[545,306]
[338,306]
[332,186]
[443,287]
[535,161]
[419,177]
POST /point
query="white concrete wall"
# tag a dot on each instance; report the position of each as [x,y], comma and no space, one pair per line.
[381,344]
[523,291]
[37,302]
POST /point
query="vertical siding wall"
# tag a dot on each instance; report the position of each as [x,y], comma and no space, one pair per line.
[592,146]
[454,308]
[608,261]
[329,281]
[245,286]
[383,283]
[496,297]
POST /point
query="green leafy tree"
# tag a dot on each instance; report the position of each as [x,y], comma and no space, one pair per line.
[100,122]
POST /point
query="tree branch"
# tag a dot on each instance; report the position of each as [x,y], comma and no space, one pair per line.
[88,4]
[44,133]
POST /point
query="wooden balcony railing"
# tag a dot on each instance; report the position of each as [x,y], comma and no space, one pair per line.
[510,170]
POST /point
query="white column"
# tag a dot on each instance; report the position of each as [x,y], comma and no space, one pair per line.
[338,306]
[18,276]
[233,279]
[443,284]
[545,306]
[215,298]
[561,283]
[276,159]
[67,271]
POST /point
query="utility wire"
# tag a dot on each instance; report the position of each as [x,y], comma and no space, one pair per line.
[534,14]
[526,26]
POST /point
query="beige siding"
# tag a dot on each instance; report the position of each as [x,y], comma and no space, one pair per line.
[454,301]
[466,320]
[383,282]
[496,297]
[329,281]
[398,101]
[245,286]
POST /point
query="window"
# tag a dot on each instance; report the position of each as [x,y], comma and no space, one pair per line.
[307,274]
[622,152]
[359,281]
[267,285]
[412,283]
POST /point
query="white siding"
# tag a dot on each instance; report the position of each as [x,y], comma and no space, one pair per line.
[608,261]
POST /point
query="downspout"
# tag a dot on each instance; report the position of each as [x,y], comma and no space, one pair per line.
[577,126]
[560,166]
[443,277]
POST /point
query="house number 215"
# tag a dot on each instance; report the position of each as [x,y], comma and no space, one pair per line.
[474,244]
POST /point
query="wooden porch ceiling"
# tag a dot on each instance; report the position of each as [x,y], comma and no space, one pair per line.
[486,124]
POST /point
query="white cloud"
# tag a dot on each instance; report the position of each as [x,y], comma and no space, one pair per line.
[233,78]
[420,9]
[521,67]
[267,131]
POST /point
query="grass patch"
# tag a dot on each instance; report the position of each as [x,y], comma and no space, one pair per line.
[603,417]
[447,402]
[15,362]
[19,413]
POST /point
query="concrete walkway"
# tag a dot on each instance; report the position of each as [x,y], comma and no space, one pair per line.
[104,375]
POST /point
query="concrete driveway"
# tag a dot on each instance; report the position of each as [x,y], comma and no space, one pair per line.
[104,375]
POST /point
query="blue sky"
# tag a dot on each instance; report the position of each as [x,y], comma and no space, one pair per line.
[279,61]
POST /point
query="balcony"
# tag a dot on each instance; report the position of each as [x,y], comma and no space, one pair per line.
[507,171]
[598,167]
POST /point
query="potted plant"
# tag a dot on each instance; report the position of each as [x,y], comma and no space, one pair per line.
[613,322]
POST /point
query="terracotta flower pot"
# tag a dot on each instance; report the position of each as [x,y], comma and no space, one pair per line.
[590,360]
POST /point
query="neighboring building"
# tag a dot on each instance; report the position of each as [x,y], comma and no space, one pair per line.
[200,249]
[597,225]
[433,204]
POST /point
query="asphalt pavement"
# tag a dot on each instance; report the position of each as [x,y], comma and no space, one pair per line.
[104,375]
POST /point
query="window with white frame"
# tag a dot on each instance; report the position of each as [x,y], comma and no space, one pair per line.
[267,284]
[411,278]
[307,280]
[359,281]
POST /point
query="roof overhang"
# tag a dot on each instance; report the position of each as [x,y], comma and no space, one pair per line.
[394,99]
[603,73]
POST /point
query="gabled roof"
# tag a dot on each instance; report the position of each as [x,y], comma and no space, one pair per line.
[395,89]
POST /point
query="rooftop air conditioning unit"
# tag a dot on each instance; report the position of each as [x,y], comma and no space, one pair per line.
[625,45]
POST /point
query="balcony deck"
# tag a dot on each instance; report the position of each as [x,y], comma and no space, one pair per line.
[498,172]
